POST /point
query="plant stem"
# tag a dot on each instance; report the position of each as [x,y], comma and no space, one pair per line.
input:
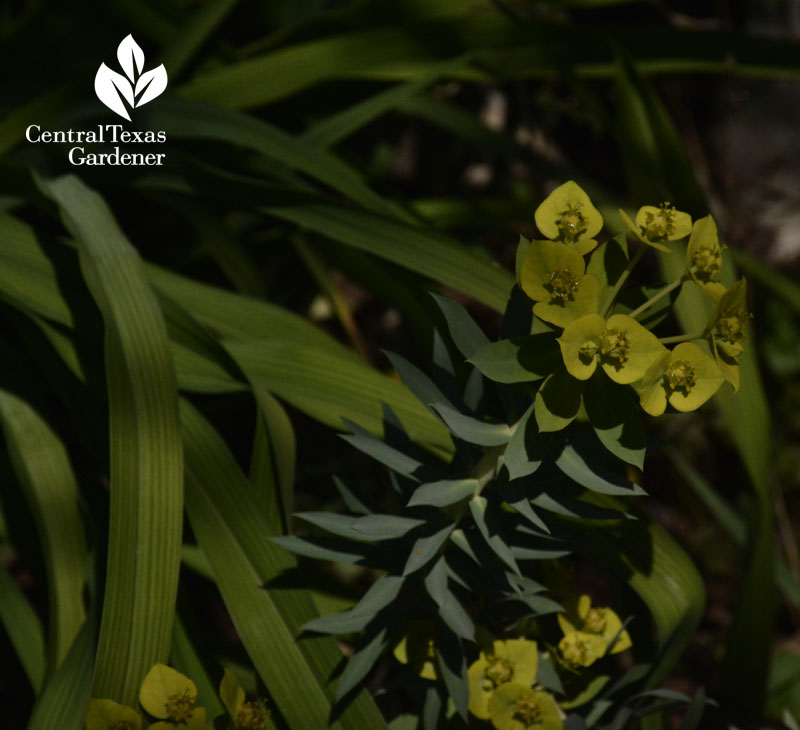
[658,296]
[622,279]
[681,338]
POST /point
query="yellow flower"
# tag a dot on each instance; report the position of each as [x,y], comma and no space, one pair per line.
[418,651]
[109,715]
[246,715]
[553,275]
[725,330]
[581,648]
[170,696]
[517,707]
[654,226]
[514,659]
[685,377]
[567,215]
[704,257]
[600,621]
[623,347]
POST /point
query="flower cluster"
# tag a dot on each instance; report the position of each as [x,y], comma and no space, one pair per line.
[502,689]
[569,293]
[170,698]
[590,632]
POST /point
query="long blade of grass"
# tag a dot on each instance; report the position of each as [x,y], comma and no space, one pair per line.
[184,120]
[145,449]
[272,462]
[733,524]
[192,35]
[429,253]
[330,389]
[328,132]
[43,469]
[232,532]
[240,317]
[185,659]
[24,629]
[62,705]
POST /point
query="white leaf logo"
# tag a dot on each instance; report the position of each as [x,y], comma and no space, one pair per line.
[113,89]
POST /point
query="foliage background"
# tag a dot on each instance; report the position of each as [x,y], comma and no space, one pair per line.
[337,161]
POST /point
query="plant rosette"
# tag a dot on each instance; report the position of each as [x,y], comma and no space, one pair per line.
[567,215]
[513,659]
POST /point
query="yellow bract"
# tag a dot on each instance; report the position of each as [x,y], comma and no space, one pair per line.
[582,649]
[102,714]
[171,696]
[597,621]
[417,650]
[567,215]
[704,257]
[514,706]
[725,330]
[685,378]
[514,659]
[245,715]
[553,275]
[623,347]
[656,225]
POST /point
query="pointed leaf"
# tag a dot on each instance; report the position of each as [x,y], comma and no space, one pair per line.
[471,429]
[478,508]
[453,669]
[518,360]
[526,449]
[443,493]
[577,468]
[425,549]
[468,337]
[381,594]
[360,664]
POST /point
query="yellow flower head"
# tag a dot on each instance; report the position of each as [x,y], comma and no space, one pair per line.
[418,650]
[600,621]
[725,330]
[517,707]
[704,257]
[514,659]
[623,347]
[581,648]
[567,215]
[246,715]
[109,715]
[656,225]
[685,378]
[171,696]
[553,275]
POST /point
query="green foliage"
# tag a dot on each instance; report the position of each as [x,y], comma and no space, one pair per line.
[156,346]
